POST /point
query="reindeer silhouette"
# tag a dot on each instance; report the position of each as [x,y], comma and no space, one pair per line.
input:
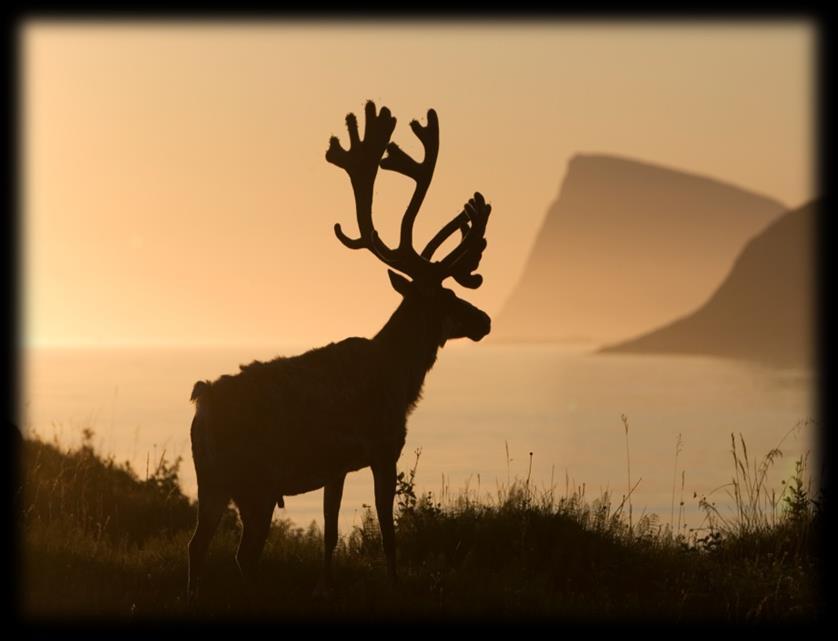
[293,425]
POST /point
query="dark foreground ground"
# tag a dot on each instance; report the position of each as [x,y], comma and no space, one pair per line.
[97,543]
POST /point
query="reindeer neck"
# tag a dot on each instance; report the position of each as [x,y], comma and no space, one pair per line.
[409,343]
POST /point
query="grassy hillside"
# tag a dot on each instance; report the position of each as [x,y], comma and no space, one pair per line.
[99,542]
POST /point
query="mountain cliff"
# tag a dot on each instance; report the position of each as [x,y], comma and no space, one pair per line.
[626,247]
[762,311]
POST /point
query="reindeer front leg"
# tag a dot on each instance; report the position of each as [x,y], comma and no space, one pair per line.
[332,494]
[384,477]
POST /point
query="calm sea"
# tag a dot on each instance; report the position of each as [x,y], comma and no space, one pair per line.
[485,409]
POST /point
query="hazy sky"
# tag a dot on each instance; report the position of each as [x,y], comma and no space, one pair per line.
[175,188]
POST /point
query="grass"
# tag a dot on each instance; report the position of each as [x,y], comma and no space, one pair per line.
[100,542]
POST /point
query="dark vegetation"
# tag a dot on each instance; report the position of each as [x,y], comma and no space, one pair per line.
[99,542]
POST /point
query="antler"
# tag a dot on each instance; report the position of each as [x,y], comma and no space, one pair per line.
[465,257]
[398,161]
[361,162]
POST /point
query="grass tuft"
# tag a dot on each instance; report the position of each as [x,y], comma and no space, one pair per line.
[100,541]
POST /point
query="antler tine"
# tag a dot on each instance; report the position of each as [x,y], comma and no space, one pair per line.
[465,258]
[361,161]
[397,160]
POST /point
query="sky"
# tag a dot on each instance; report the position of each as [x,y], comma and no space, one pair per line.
[175,191]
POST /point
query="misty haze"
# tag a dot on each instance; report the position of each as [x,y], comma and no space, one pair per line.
[598,328]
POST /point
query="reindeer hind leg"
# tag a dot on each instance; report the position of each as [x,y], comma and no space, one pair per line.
[211,505]
[256,515]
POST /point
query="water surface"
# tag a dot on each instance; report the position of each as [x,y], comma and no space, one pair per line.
[563,404]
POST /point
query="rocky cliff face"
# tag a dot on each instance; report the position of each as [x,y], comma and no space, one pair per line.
[764,309]
[626,247]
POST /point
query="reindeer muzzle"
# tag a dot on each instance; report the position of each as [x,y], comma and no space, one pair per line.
[481,327]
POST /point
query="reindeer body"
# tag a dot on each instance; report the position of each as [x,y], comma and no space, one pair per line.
[289,424]
[293,425]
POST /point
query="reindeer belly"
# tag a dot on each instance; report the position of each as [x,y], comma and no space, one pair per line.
[310,466]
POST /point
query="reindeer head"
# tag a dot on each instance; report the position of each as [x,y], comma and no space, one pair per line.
[458,318]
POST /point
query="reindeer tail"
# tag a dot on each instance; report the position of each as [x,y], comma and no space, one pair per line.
[200,388]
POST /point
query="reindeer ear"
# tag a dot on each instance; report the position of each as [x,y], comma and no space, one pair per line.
[399,282]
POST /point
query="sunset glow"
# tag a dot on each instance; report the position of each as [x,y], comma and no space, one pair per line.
[175,189]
